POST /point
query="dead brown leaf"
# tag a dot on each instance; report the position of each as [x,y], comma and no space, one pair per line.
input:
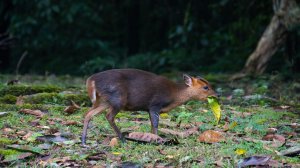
[37,113]
[72,108]
[183,134]
[26,136]
[21,133]
[278,140]
[98,156]
[7,130]
[272,130]
[211,136]
[145,137]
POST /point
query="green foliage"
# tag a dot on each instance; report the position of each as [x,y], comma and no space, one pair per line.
[8,99]
[57,98]
[17,90]
[78,37]
[5,141]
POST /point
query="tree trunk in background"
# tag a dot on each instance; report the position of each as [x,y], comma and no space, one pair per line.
[286,16]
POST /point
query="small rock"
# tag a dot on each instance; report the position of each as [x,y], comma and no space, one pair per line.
[113,142]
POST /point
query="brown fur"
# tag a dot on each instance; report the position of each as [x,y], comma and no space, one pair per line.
[132,89]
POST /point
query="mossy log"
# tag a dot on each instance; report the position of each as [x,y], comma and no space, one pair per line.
[57,98]
[49,98]
[8,99]
[17,90]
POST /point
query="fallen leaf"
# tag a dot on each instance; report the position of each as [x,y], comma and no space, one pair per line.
[52,138]
[183,134]
[27,148]
[240,151]
[27,135]
[21,133]
[254,161]
[7,130]
[37,113]
[211,136]
[116,153]
[272,130]
[72,108]
[145,137]
[113,142]
[295,125]
[215,107]
[98,156]
[278,140]
[164,115]
[292,151]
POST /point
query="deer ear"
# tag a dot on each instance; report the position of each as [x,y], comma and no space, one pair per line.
[188,80]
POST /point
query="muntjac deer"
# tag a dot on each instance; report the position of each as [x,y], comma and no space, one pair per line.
[132,90]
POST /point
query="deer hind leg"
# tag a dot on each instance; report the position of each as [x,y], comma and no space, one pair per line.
[88,117]
[110,116]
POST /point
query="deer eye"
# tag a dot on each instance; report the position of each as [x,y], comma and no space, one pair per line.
[205,87]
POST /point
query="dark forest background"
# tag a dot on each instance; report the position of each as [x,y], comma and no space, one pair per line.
[82,37]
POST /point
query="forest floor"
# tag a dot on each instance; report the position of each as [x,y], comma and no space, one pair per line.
[260,124]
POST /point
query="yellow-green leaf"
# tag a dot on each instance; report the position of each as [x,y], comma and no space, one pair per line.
[215,107]
[164,115]
[240,151]
[116,153]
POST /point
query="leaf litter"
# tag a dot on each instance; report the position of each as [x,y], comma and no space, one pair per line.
[237,119]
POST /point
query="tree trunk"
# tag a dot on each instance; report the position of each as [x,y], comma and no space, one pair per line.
[286,16]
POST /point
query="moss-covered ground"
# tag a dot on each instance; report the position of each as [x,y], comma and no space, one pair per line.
[251,109]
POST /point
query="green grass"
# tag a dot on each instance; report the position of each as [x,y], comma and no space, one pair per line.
[253,121]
